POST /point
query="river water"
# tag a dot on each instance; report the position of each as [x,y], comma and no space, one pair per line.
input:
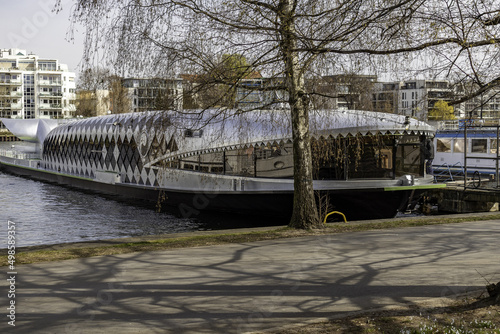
[46,214]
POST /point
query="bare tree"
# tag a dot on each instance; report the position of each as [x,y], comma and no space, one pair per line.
[346,91]
[92,79]
[292,39]
[86,103]
[99,88]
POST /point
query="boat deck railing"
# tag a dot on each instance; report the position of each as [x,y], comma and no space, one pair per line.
[19,155]
[470,123]
[448,173]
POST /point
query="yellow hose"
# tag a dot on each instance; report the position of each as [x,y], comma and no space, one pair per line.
[331,213]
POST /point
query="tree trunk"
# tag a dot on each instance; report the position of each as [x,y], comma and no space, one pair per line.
[305,212]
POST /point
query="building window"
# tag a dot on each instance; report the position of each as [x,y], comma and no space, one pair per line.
[47,66]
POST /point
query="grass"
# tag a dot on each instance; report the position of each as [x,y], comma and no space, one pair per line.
[33,255]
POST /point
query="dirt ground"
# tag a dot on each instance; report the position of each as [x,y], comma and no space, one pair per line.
[463,315]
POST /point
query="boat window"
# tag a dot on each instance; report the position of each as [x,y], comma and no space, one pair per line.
[458,146]
[240,162]
[190,133]
[408,160]
[443,145]
[353,157]
[217,170]
[212,162]
[274,161]
[479,145]
[174,163]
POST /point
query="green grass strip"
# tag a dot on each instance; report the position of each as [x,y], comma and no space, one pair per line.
[69,252]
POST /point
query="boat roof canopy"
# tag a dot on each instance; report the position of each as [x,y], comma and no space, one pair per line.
[212,130]
[30,130]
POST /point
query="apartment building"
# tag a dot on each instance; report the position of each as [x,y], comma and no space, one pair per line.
[414,98]
[154,93]
[386,97]
[342,91]
[254,93]
[34,87]
[339,92]
[485,106]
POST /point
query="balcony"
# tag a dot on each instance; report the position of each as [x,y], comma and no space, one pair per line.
[49,83]
[50,94]
[44,69]
[10,82]
[13,106]
[51,106]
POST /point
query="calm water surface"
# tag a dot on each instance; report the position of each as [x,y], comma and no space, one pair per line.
[49,214]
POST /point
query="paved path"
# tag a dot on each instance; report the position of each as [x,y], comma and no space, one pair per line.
[248,287]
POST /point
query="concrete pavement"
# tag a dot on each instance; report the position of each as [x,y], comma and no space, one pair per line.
[238,288]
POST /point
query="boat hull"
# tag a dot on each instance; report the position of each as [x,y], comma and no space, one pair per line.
[355,204]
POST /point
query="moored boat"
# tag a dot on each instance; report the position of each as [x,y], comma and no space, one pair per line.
[367,164]
[471,150]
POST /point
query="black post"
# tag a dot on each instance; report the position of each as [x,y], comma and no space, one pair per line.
[224,162]
[465,154]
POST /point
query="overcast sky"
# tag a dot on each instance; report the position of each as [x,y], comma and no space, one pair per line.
[32,26]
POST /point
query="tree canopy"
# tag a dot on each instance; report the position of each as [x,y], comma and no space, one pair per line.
[441,111]
[295,40]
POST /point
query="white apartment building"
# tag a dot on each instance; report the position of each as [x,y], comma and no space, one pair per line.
[34,87]
[419,96]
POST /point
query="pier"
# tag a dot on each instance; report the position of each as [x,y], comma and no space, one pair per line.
[474,197]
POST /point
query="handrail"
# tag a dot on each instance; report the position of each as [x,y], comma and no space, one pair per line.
[19,155]
[447,171]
